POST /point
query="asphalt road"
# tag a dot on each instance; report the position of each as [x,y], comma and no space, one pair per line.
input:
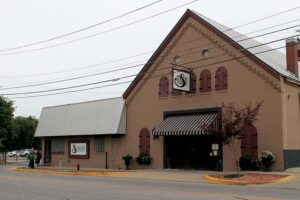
[39,186]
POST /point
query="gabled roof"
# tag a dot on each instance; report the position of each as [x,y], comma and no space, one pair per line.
[87,118]
[272,61]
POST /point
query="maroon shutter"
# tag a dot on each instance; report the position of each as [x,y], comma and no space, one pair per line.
[221,79]
[224,75]
[254,142]
[205,81]
[209,82]
[249,141]
[144,143]
[217,80]
[193,83]
[163,86]
[201,83]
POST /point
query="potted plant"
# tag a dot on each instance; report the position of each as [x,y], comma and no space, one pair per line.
[127,160]
[143,158]
[267,159]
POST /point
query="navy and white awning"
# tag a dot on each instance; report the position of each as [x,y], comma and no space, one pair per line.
[187,125]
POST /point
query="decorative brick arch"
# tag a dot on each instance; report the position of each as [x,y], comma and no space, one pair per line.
[144,141]
[249,141]
[164,86]
[221,79]
[205,81]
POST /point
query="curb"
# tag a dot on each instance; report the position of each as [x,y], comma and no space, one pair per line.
[233,182]
[84,173]
[224,181]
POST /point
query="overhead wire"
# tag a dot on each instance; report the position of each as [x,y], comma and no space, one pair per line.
[136,55]
[118,78]
[100,33]
[138,65]
[142,74]
[143,19]
[83,29]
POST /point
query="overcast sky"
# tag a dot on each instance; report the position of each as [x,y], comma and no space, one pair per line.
[29,21]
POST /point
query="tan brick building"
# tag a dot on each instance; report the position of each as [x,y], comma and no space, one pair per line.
[227,67]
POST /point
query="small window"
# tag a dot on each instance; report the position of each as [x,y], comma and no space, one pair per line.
[58,145]
[205,81]
[221,79]
[164,86]
[99,144]
[144,141]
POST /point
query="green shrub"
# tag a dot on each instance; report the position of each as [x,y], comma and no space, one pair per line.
[249,163]
[143,158]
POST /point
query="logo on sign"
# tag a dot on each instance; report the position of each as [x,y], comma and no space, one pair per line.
[78,149]
[181,80]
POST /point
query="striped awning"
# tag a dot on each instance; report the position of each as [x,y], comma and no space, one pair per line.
[187,125]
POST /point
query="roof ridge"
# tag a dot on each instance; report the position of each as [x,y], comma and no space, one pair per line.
[83,102]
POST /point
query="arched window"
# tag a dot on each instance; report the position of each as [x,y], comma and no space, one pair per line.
[249,141]
[221,78]
[164,86]
[193,83]
[205,81]
[144,144]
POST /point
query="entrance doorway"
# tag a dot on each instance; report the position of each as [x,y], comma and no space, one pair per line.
[192,152]
[47,151]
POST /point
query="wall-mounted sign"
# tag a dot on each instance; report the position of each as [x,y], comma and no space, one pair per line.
[181,80]
[79,149]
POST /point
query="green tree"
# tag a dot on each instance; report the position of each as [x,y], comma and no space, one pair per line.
[23,134]
[233,122]
[6,123]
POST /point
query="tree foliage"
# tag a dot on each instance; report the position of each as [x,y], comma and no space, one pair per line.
[23,132]
[16,132]
[232,124]
[6,123]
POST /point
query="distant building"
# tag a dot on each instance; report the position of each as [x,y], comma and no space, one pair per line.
[169,119]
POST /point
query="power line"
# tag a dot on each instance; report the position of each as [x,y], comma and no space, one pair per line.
[155,76]
[264,18]
[103,32]
[136,55]
[103,86]
[74,78]
[82,29]
[134,66]
[76,86]
[32,96]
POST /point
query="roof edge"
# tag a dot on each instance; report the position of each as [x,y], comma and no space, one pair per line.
[169,37]
[158,51]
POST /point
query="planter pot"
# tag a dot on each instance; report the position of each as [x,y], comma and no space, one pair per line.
[267,163]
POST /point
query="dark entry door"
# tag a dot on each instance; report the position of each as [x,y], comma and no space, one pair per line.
[47,151]
[194,152]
